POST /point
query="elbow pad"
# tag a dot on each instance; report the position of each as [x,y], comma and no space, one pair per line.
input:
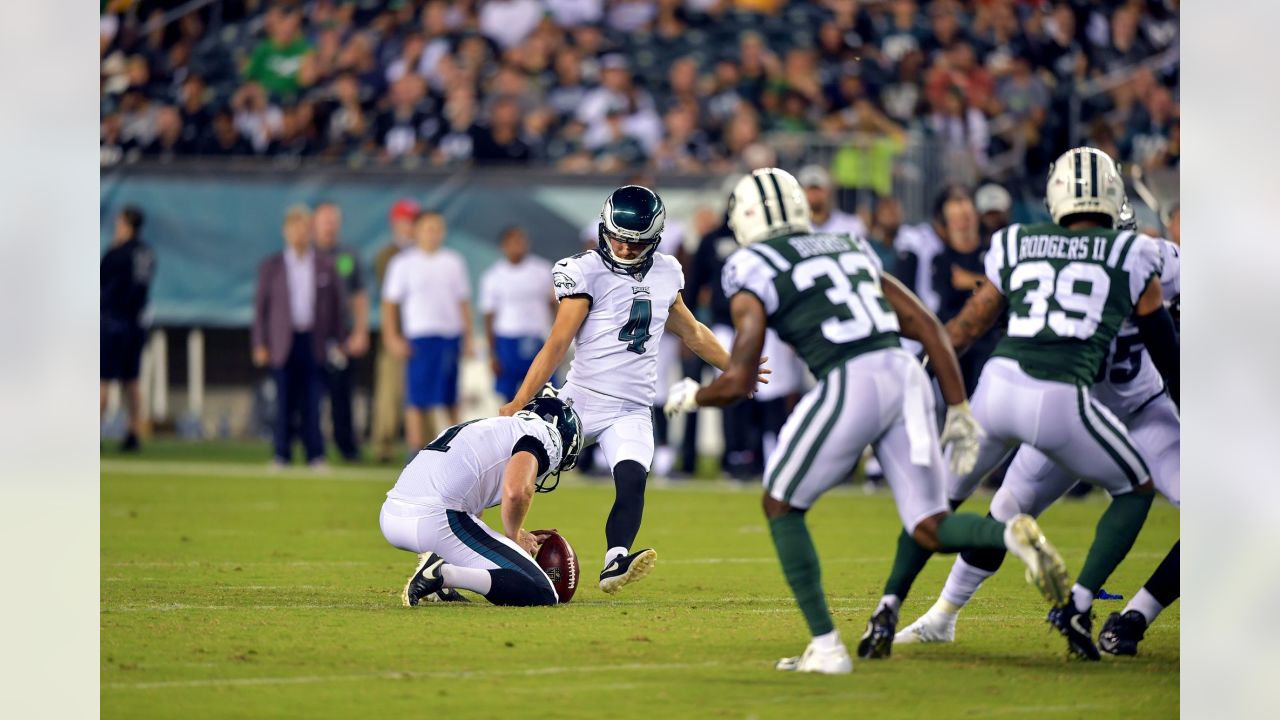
[1161,340]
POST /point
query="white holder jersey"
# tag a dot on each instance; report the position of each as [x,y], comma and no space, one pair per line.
[1129,378]
[616,349]
[462,469]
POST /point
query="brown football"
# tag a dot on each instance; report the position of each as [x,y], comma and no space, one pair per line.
[557,558]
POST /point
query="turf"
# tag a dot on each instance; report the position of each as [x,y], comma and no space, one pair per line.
[231,591]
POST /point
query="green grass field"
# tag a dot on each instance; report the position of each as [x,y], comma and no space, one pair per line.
[232,591]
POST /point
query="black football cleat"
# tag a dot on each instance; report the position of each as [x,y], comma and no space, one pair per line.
[877,641]
[627,569]
[425,581]
[1121,633]
[1077,628]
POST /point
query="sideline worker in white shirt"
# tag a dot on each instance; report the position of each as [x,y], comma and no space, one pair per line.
[426,317]
[517,305]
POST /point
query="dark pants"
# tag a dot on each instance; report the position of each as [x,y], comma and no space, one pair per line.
[298,391]
[344,435]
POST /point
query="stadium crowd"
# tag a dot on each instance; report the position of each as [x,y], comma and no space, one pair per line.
[677,86]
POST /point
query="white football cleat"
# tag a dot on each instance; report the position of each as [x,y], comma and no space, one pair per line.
[828,661]
[1045,567]
[931,627]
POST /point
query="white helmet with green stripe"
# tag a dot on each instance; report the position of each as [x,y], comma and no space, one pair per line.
[766,204]
[1084,181]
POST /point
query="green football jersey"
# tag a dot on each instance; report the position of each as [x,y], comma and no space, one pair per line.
[1068,293]
[822,295]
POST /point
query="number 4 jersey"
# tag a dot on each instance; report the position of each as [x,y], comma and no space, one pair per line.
[1068,293]
[617,345]
[821,293]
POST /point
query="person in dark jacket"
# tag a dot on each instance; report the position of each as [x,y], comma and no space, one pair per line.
[957,272]
[125,276]
[297,317]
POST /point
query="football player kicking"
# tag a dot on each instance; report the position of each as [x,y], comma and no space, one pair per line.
[434,508]
[827,296]
[617,300]
[1067,288]
[1129,385]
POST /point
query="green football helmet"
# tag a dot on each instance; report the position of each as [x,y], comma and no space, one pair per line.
[634,215]
[561,416]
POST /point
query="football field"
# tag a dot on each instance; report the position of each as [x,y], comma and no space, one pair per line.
[228,590]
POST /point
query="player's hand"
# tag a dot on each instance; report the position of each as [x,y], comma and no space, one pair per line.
[399,347]
[528,541]
[962,432]
[509,409]
[763,377]
[357,344]
[682,397]
[261,356]
[542,535]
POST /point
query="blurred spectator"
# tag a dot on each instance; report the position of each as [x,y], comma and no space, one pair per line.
[297,315]
[499,142]
[168,142]
[826,217]
[223,138]
[125,276]
[389,372]
[403,129]
[426,320]
[508,22]
[277,62]
[355,323]
[517,303]
[256,119]
[886,220]
[959,270]
[964,134]
[865,162]
[994,205]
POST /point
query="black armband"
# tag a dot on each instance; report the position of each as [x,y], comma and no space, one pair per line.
[533,446]
[1161,339]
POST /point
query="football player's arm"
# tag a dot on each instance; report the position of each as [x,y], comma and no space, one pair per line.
[977,316]
[738,380]
[921,325]
[518,483]
[1155,326]
[696,336]
[569,318]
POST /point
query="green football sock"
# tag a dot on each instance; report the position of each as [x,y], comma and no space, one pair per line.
[966,531]
[907,564]
[1117,529]
[800,566]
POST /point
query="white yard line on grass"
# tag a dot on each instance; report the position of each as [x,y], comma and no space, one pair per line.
[411,675]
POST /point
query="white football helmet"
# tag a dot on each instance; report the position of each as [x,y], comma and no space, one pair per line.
[1084,180]
[766,204]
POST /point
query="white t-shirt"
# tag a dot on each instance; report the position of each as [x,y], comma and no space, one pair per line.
[842,222]
[429,288]
[509,22]
[517,296]
[617,346]
[462,468]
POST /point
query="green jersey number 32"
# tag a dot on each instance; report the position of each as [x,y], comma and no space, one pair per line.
[860,306]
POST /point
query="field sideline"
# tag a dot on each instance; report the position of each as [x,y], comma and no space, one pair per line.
[231,591]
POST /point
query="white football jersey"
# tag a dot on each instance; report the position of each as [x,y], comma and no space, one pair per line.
[1129,377]
[462,468]
[617,346]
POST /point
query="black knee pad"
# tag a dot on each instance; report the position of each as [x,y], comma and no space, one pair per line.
[629,478]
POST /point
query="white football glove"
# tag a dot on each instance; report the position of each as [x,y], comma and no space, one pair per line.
[681,398]
[963,434]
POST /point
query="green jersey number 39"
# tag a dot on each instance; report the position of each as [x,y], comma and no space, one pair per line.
[1079,290]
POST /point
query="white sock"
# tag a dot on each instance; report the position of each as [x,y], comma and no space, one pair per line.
[472,579]
[892,602]
[614,553]
[827,641]
[1082,597]
[1145,603]
[962,583]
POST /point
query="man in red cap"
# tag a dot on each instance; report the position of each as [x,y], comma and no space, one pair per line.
[388,381]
